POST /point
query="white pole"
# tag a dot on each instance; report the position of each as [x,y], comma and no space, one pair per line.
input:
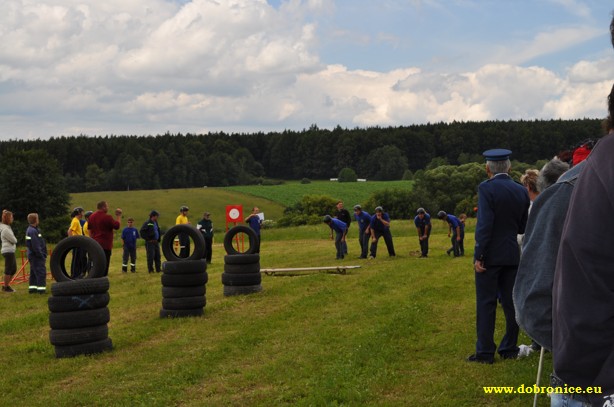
[539,373]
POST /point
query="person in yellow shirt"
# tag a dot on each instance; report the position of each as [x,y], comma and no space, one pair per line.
[78,264]
[184,239]
[86,231]
[75,228]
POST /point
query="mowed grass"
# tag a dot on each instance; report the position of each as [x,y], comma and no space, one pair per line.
[138,204]
[292,191]
[394,332]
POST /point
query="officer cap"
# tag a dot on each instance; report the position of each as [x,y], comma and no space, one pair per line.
[327,219]
[441,214]
[420,210]
[153,213]
[379,209]
[357,207]
[497,154]
[184,208]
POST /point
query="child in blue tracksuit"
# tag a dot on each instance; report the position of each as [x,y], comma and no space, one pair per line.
[129,237]
[339,227]
[37,255]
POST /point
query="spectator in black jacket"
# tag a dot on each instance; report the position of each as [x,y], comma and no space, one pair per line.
[150,231]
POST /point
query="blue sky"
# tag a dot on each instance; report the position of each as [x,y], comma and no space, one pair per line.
[152,66]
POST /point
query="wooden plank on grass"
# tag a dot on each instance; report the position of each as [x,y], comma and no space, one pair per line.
[333,269]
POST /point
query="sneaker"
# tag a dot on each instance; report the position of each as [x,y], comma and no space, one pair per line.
[8,289]
[524,351]
[371,257]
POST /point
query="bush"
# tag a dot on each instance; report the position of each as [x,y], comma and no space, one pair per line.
[308,211]
[408,175]
[398,203]
[269,181]
[305,181]
[347,175]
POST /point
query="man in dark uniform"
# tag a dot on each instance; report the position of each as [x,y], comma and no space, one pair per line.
[339,228]
[150,231]
[423,226]
[454,232]
[343,215]
[503,209]
[364,232]
[380,227]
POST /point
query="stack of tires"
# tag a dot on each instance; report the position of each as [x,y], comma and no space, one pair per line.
[79,311]
[184,279]
[241,269]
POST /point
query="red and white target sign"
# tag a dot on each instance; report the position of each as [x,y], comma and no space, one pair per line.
[234,213]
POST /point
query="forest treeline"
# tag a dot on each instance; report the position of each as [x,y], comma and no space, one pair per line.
[221,159]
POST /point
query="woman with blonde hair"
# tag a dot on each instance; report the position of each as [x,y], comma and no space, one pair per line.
[529,181]
[9,245]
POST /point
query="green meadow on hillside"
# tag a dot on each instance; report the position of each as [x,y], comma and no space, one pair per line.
[270,199]
[394,332]
[138,204]
[292,191]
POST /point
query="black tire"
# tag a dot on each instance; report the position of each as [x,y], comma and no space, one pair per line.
[90,348]
[241,279]
[242,268]
[168,241]
[79,319]
[76,336]
[94,253]
[230,290]
[184,280]
[80,287]
[173,304]
[185,267]
[77,302]
[181,313]
[230,235]
[179,292]
[242,258]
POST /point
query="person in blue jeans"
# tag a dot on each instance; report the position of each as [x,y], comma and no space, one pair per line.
[339,228]
[364,232]
[129,237]
[454,232]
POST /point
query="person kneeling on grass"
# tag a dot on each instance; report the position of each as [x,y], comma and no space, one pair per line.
[339,227]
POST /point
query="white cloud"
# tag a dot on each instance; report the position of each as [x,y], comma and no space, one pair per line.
[575,7]
[151,66]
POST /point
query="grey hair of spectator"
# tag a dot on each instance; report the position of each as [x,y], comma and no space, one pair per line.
[497,167]
[550,173]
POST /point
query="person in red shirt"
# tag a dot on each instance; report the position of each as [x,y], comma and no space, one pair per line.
[101,226]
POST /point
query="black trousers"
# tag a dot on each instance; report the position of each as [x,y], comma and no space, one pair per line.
[153,255]
[495,280]
[387,239]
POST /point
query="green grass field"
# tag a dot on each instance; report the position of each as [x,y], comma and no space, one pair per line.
[394,332]
[138,204]
[292,191]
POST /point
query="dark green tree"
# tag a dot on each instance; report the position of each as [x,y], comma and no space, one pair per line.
[386,163]
[347,175]
[95,179]
[31,181]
